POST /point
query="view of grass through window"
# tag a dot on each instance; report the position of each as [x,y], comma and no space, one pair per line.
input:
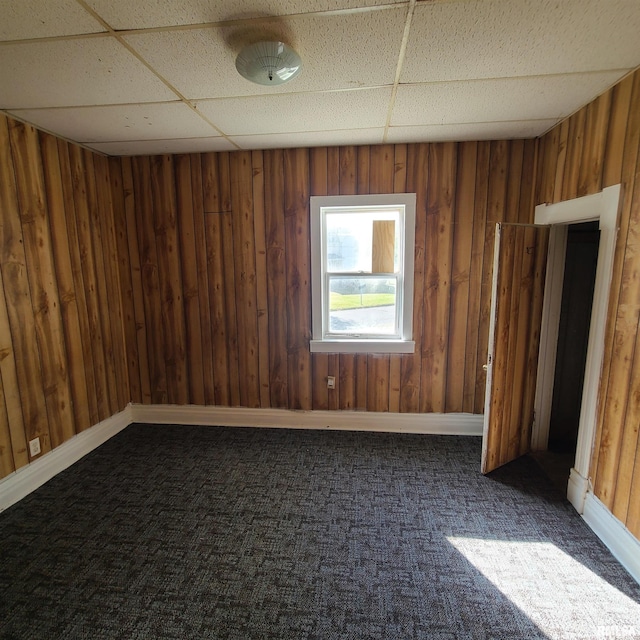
[339,301]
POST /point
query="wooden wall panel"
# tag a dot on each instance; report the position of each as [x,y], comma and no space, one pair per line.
[42,281]
[62,344]
[240,279]
[602,149]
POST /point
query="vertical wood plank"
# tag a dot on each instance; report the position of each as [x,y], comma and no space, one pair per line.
[150,279]
[94,237]
[440,202]
[548,165]
[230,278]
[627,457]
[618,118]
[596,129]
[460,276]
[563,141]
[215,183]
[474,358]
[395,360]
[245,270]
[139,349]
[190,286]
[133,390]
[633,515]
[526,214]
[7,465]
[170,278]
[112,278]
[73,189]
[574,155]
[276,278]
[218,299]
[514,181]
[64,278]
[257,160]
[296,198]
[202,266]
[410,367]
[15,452]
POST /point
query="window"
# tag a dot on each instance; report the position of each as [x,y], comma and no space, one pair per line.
[362,273]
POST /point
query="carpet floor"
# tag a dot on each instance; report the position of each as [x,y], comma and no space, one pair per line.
[201,532]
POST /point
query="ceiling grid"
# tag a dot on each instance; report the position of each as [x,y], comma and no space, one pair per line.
[145,77]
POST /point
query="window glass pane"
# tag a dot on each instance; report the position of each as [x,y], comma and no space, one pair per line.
[362,305]
[362,241]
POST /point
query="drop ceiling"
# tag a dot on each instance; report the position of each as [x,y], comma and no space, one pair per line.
[130,77]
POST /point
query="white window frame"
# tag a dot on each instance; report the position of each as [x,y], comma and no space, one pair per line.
[320,341]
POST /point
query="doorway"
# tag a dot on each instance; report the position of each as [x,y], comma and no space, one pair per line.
[581,259]
[602,210]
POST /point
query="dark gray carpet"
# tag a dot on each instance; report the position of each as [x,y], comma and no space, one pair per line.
[201,532]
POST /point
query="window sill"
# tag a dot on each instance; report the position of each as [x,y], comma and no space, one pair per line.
[362,346]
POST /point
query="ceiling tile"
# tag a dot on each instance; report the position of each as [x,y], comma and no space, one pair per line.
[475,131]
[542,97]
[310,139]
[83,71]
[158,147]
[297,112]
[338,52]
[42,19]
[124,14]
[123,122]
[498,38]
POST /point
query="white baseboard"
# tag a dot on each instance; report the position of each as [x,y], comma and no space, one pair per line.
[27,479]
[461,424]
[620,541]
[577,490]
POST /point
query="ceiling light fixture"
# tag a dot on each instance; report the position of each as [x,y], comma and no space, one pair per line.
[268,63]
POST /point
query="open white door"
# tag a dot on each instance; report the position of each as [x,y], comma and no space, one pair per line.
[514,333]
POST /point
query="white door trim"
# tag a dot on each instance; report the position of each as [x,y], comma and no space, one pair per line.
[604,207]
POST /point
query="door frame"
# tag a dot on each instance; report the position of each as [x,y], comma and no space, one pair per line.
[604,208]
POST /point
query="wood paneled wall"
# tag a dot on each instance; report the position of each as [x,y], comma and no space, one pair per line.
[596,148]
[62,346]
[217,263]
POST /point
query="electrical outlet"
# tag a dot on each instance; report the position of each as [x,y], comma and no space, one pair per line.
[34,446]
[331,382]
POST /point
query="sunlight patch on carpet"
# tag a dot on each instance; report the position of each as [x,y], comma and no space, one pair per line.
[533,575]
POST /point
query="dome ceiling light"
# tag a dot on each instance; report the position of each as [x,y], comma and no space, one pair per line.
[268,63]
